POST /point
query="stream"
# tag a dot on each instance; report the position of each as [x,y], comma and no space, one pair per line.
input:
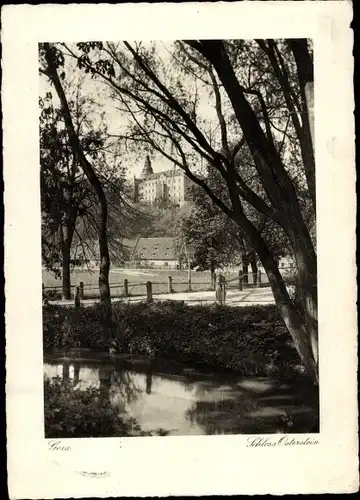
[186,401]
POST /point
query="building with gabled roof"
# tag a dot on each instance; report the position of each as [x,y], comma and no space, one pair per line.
[155,252]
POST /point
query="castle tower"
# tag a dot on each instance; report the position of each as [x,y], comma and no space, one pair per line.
[147,169]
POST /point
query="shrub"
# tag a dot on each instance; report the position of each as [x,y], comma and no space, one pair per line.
[74,413]
[51,295]
[67,327]
[252,340]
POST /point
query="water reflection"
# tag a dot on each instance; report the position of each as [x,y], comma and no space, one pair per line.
[105,381]
[148,382]
[257,407]
[76,373]
[191,403]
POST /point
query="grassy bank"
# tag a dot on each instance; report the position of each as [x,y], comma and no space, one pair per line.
[251,341]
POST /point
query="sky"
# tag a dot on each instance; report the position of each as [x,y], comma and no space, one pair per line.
[93,88]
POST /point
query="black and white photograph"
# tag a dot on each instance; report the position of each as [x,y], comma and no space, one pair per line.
[178,220]
[180,272]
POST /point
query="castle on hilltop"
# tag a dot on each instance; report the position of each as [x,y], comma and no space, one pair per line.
[170,185]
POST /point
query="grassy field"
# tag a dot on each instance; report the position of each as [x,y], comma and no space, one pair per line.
[137,279]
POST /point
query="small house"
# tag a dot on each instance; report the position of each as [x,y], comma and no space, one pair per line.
[155,253]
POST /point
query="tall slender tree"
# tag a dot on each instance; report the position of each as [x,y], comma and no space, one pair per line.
[53,61]
[66,194]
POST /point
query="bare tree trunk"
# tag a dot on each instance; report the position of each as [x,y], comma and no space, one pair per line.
[65,266]
[305,73]
[66,239]
[104,287]
[301,324]
[304,340]
[213,277]
[254,269]
[245,269]
[66,282]
[306,263]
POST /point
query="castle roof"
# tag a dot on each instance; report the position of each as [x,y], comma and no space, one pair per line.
[147,169]
[166,173]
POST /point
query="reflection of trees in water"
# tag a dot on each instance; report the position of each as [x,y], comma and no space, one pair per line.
[66,371]
[105,376]
[75,372]
[113,380]
[124,386]
[222,416]
[242,411]
[148,382]
[202,388]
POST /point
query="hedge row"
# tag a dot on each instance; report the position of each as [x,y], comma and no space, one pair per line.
[252,340]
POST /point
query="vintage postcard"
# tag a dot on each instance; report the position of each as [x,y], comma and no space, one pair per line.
[180,249]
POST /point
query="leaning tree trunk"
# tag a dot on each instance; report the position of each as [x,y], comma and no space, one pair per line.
[306,263]
[282,195]
[297,325]
[300,322]
[303,337]
[104,289]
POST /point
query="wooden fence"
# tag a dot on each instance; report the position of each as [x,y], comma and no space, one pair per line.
[127,288]
[148,289]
